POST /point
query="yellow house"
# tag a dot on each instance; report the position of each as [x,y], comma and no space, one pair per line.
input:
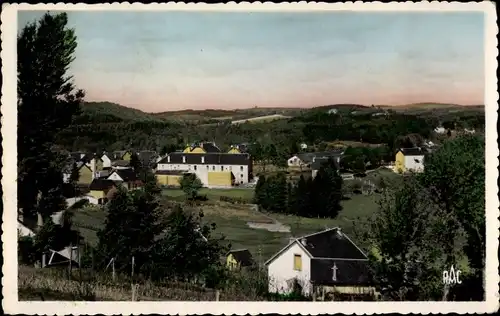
[99,189]
[220,178]
[409,159]
[85,174]
[169,178]
[127,156]
[237,259]
[202,148]
[122,155]
[234,150]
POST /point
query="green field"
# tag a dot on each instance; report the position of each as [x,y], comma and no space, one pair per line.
[212,194]
[231,221]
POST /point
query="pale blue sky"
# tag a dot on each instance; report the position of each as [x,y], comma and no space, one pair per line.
[159,61]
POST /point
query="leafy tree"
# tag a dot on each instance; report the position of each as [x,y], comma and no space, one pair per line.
[455,177]
[47,102]
[187,248]
[191,185]
[404,260]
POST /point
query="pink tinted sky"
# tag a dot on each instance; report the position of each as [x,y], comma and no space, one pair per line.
[161,61]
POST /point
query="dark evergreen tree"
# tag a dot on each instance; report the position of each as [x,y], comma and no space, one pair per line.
[130,228]
[47,102]
[187,248]
[190,184]
[260,192]
[135,162]
[327,190]
[276,192]
[292,199]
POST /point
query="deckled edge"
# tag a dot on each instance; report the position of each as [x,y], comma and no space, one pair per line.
[9,159]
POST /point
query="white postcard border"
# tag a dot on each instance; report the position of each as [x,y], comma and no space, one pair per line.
[10,303]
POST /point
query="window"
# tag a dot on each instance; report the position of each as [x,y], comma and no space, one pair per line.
[297,262]
[194,168]
[241,168]
[208,167]
[221,168]
[241,175]
[213,168]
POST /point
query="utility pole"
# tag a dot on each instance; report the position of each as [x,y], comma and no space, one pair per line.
[113,267]
[133,264]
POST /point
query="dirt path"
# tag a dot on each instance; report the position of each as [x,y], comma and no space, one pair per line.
[273,225]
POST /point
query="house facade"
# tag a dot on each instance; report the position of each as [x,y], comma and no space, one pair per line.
[326,261]
[169,178]
[238,259]
[410,160]
[99,189]
[213,169]
[126,177]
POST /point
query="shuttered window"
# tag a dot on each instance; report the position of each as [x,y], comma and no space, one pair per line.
[297,262]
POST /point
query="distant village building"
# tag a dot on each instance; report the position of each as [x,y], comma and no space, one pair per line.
[323,262]
[332,111]
[305,159]
[410,159]
[213,167]
[303,146]
[440,130]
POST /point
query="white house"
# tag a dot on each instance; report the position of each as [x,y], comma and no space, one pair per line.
[326,260]
[303,146]
[440,130]
[213,169]
[332,111]
[410,159]
[305,159]
[106,161]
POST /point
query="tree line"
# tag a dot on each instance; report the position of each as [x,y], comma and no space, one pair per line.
[318,197]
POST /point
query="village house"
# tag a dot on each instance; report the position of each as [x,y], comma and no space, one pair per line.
[410,160]
[306,159]
[121,155]
[202,148]
[214,169]
[325,263]
[126,177]
[238,259]
[99,189]
[328,261]
[440,130]
[238,149]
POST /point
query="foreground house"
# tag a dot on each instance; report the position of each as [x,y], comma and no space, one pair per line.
[237,259]
[410,160]
[323,262]
[213,169]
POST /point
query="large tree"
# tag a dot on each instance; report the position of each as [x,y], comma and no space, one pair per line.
[402,234]
[47,102]
[327,190]
[191,185]
[455,178]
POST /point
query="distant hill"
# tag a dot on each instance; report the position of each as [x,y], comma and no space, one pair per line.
[115,111]
[423,105]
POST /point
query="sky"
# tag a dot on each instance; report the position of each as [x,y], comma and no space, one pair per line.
[163,61]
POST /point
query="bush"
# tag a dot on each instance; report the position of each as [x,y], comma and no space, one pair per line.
[235,200]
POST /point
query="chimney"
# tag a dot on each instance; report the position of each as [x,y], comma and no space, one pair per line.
[168,158]
[291,239]
[183,159]
[303,241]
[202,159]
